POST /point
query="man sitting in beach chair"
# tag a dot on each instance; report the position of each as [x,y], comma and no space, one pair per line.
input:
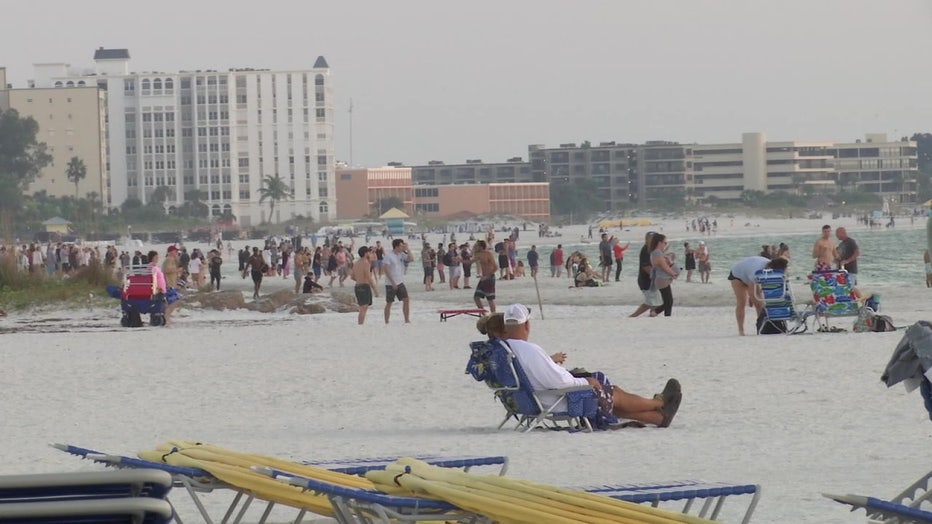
[542,374]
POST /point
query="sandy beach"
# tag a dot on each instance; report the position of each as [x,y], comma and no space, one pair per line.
[799,415]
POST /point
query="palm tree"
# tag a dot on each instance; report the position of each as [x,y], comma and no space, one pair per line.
[274,189]
[75,171]
[194,205]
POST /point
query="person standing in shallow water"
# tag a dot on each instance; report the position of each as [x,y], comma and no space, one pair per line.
[690,260]
[704,259]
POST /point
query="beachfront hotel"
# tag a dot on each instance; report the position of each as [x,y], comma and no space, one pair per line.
[72,123]
[215,132]
[361,191]
[636,174]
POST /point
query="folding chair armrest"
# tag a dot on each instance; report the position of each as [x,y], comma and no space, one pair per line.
[561,391]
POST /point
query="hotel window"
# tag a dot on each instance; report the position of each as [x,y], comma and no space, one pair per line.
[321,114]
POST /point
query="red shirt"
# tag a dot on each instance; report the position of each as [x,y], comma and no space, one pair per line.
[619,251]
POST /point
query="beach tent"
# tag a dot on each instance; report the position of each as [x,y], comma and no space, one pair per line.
[928,203]
[394,220]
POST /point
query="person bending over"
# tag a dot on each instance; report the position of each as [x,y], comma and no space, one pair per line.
[544,373]
[745,287]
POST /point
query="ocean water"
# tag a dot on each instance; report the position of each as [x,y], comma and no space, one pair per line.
[888,256]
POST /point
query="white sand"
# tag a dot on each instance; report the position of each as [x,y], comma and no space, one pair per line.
[799,415]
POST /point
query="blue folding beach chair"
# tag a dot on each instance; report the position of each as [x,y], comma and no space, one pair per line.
[779,313]
[87,497]
[493,362]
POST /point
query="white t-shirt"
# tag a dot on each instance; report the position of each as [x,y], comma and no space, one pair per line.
[543,372]
[395,263]
[194,265]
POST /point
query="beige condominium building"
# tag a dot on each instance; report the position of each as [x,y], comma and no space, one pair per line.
[72,123]
[626,175]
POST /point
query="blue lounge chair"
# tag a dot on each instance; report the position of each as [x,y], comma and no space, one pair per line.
[780,311]
[100,497]
[196,481]
[493,362]
[353,505]
[713,495]
[357,506]
[361,466]
[879,510]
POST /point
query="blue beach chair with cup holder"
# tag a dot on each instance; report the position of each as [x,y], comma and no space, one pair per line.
[493,362]
[779,313]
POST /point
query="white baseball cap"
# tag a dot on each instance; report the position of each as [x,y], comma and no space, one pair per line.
[517,314]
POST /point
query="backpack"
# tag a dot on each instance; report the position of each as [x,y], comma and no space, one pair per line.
[770,327]
[133,317]
[869,321]
[448,258]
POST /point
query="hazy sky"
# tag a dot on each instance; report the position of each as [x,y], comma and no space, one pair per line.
[442,80]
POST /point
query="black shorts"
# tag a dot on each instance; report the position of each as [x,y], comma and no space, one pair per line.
[486,288]
[503,261]
[363,294]
[731,276]
[467,270]
[401,293]
[256,276]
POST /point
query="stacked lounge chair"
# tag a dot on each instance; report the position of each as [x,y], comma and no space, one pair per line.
[135,496]
[202,468]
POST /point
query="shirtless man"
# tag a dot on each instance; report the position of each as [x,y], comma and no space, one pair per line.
[824,251]
[485,288]
[361,273]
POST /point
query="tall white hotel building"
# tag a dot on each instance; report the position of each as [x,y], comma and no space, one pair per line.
[217,132]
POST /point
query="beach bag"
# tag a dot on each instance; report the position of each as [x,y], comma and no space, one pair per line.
[770,327]
[652,297]
[883,323]
[133,317]
[869,321]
